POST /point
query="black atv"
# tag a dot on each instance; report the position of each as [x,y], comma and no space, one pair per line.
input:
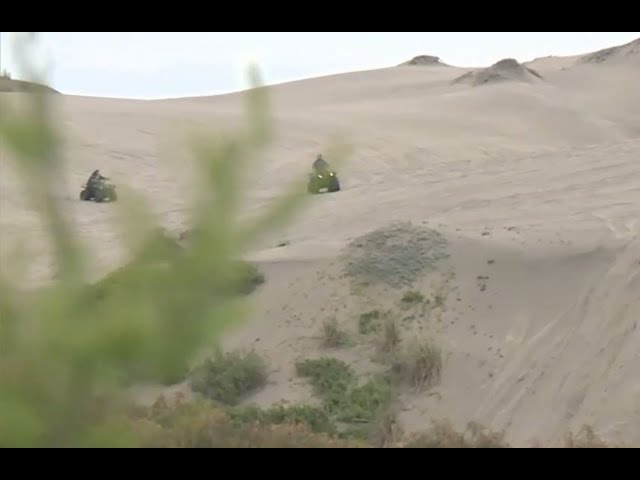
[102,192]
[319,181]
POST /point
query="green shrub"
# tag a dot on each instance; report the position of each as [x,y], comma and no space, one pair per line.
[314,418]
[369,322]
[201,424]
[342,398]
[412,297]
[229,378]
[363,403]
[249,278]
[330,377]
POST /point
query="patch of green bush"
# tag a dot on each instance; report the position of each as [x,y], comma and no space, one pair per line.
[369,322]
[202,424]
[412,297]
[229,378]
[314,418]
[249,278]
[342,398]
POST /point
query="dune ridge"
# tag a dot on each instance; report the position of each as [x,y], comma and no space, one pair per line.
[423,60]
[629,53]
[11,85]
[505,70]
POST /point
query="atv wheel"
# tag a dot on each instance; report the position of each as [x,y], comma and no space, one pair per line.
[334,185]
[313,187]
[113,196]
[84,195]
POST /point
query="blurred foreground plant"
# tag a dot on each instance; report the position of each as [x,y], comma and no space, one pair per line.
[65,358]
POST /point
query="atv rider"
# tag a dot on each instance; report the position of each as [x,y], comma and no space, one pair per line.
[320,165]
[93,181]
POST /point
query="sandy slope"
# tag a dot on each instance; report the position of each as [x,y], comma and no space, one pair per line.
[534,187]
[9,85]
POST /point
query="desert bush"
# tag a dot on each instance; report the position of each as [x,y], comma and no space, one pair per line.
[386,431]
[587,438]
[439,299]
[369,322]
[249,278]
[342,398]
[412,297]
[201,424]
[229,378]
[314,418]
[329,377]
[65,360]
[362,404]
[389,338]
[395,255]
[418,365]
[332,336]
[443,435]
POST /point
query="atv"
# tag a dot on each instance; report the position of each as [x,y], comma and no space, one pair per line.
[102,192]
[319,181]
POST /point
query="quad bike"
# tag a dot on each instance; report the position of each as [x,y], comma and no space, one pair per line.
[319,181]
[102,192]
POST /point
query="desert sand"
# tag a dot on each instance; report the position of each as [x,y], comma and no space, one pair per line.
[511,192]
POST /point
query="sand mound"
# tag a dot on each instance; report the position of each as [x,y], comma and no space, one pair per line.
[508,70]
[396,255]
[627,54]
[423,60]
[10,85]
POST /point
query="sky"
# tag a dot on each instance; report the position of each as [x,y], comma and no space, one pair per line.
[150,65]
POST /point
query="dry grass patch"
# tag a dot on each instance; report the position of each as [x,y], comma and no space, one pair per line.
[587,438]
[332,336]
[443,435]
[418,365]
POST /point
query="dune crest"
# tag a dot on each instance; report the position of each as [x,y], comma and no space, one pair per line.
[506,70]
[627,54]
[11,85]
[424,60]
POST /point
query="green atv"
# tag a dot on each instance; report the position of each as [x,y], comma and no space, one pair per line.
[319,181]
[102,192]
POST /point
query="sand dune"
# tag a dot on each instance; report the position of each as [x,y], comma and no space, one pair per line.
[507,70]
[626,54]
[523,199]
[423,60]
[10,85]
